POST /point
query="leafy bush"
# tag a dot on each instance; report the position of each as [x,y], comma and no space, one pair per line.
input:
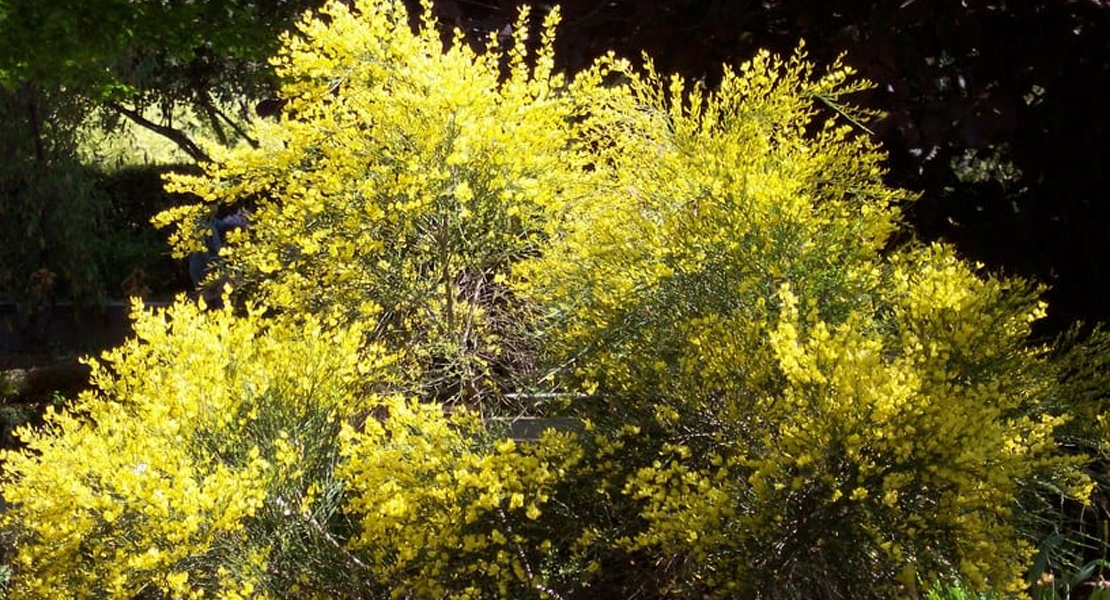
[71,231]
[134,194]
[50,207]
[777,400]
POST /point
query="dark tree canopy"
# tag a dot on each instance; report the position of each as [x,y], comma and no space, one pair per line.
[139,61]
[127,55]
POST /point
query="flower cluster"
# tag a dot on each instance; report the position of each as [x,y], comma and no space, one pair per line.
[447,511]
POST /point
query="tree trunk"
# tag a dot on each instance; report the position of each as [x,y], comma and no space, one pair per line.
[37,384]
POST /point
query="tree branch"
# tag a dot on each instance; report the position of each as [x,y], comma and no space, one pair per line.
[187,145]
[214,119]
[236,128]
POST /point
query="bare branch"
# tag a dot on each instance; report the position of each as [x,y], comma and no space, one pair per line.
[174,135]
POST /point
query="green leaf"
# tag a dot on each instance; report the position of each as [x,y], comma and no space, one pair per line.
[1050,543]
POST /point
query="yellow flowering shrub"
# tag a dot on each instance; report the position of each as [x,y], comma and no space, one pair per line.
[879,459]
[226,456]
[448,511]
[776,399]
[706,203]
[832,416]
[403,179]
[176,477]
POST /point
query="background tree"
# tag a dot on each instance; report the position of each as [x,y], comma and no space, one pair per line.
[72,72]
[128,55]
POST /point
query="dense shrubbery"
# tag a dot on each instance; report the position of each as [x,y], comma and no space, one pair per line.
[71,231]
[400,186]
[50,207]
[775,402]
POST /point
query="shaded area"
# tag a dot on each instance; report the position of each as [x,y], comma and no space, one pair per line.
[40,357]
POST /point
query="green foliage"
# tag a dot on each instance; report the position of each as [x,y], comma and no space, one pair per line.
[1054,577]
[71,231]
[130,245]
[129,58]
[50,207]
[116,48]
[777,402]
[1072,538]
[957,592]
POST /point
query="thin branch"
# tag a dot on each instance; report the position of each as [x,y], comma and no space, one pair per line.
[34,120]
[187,145]
[215,115]
[237,128]
[214,119]
[532,579]
[840,110]
[325,534]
